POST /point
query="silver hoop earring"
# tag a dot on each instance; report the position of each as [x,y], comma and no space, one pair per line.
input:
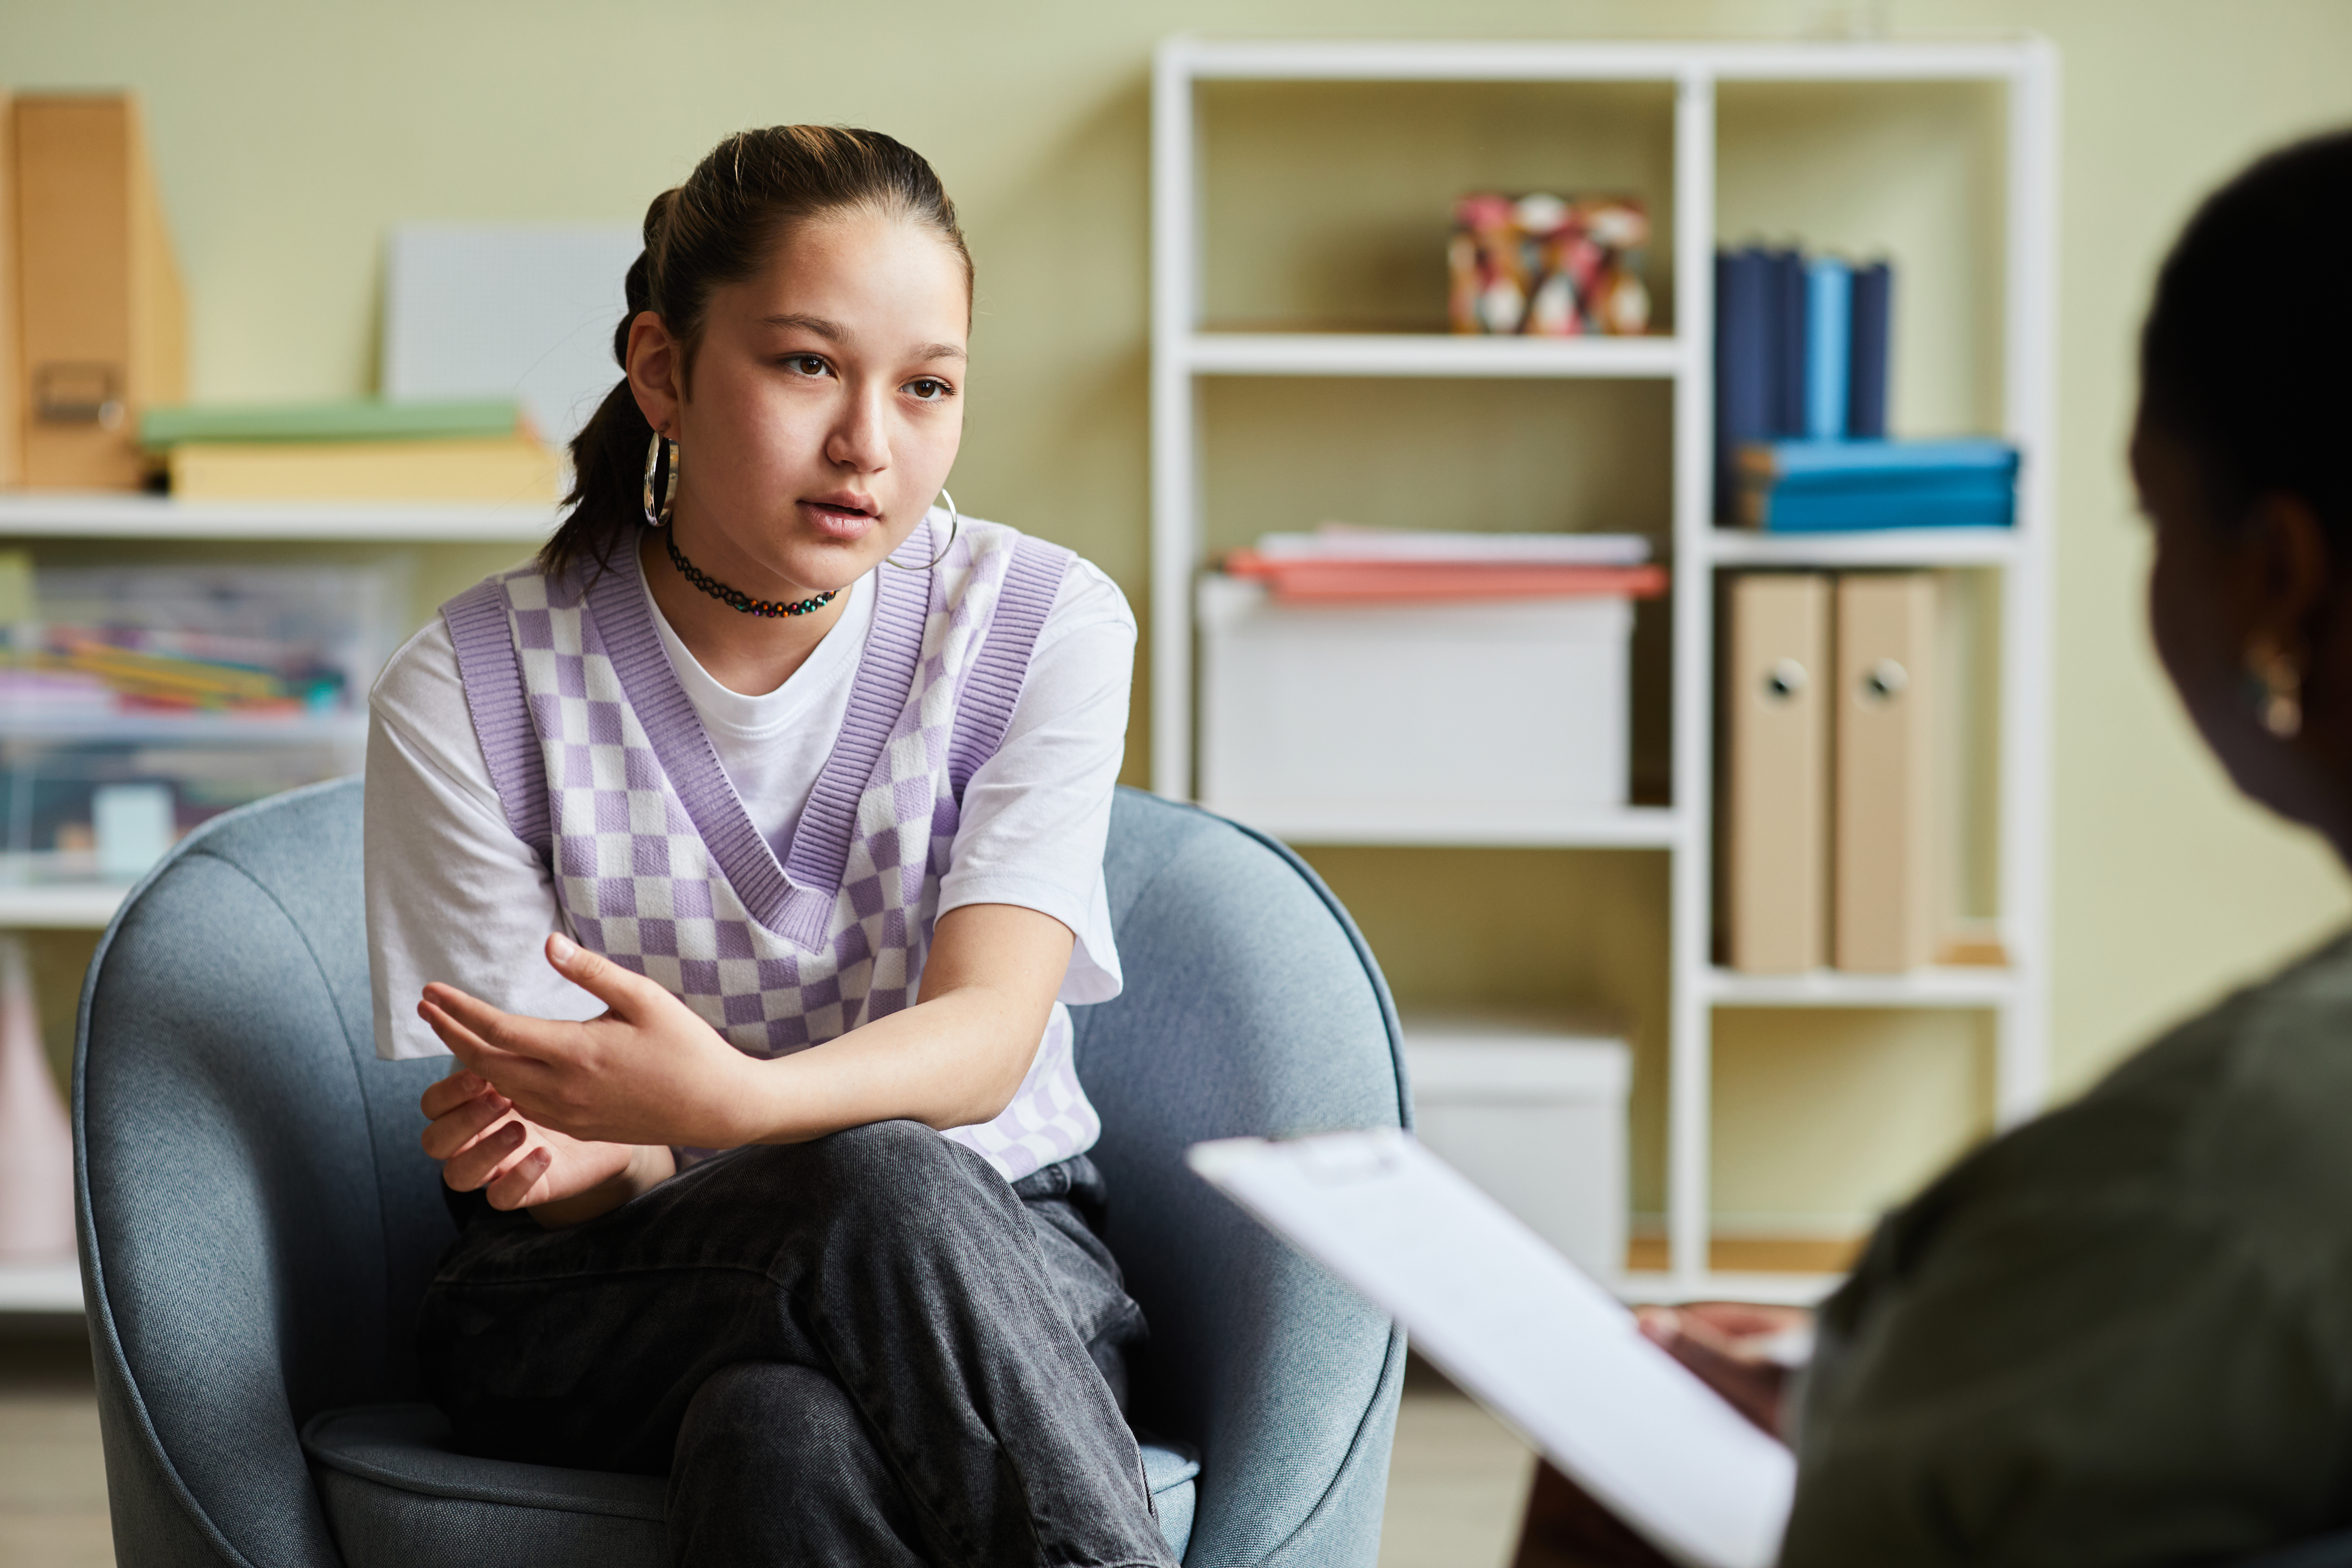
[955,522]
[661,456]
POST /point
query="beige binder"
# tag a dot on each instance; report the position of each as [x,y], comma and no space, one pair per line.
[1886,688]
[1777,710]
[101,322]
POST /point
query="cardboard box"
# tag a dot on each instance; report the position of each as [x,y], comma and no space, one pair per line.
[102,324]
[1502,707]
[1537,1118]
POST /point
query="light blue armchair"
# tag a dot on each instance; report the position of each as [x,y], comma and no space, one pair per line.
[258,1222]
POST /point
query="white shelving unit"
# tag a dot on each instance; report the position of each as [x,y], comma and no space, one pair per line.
[43,1288]
[1184,353]
[93,518]
[35,516]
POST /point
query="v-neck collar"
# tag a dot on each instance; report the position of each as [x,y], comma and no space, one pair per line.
[794,897]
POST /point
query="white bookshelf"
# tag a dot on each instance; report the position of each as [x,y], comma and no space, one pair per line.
[1406,353]
[48,1288]
[1727,1284]
[1184,355]
[60,906]
[1934,986]
[101,516]
[1633,827]
[1879,547]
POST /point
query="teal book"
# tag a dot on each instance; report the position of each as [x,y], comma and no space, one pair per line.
[1803,463]
[1963,503]
[361,419]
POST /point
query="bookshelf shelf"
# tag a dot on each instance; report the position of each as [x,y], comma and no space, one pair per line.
[67,515]
[1931,987]
[18,724]
[1466,60]
[1430,354]
[60,906]
[1628,828]
[41,1287]
[1187,350]
[1657,1288]
[1877,547]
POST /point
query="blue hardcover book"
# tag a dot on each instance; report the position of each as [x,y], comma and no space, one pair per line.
[1787,342]
[1873,312]
[1829,295]
[1814,486]
[1743,380]
[1799,462]
[1833,511]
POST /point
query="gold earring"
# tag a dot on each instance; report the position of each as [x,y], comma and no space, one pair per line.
[2277,691]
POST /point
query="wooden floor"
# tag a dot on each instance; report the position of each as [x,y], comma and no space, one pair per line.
[52,1475]
[1455,1486]
[1457,1481]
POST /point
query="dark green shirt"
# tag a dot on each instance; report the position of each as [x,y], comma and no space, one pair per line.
[2120,1334]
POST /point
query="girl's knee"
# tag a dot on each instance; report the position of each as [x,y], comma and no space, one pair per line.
[761,1412]
[890,1164]
[885,1178]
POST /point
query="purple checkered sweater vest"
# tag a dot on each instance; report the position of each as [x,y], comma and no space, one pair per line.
[603,769]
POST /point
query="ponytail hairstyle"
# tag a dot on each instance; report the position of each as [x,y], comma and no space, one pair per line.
[719,227]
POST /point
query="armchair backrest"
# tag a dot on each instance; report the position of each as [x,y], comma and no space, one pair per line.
[1252,1006]
[258,1221]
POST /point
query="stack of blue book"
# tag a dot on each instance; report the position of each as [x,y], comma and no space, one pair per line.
[1801,375]
[1820,487]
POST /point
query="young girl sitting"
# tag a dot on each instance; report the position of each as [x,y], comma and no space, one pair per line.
[744,847]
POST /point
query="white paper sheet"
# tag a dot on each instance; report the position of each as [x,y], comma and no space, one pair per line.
[1520,1329]
[507,310]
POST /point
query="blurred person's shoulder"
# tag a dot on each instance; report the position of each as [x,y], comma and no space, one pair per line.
[2238,1119]
[2237,1122]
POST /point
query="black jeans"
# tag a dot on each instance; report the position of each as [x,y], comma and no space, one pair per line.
[866,1349]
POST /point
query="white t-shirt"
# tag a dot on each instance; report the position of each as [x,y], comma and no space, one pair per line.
[453,896]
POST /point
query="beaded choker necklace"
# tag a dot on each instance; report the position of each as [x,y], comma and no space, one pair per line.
[735,598]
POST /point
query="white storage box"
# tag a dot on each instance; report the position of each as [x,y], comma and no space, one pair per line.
[1537,1119]
[1337,714]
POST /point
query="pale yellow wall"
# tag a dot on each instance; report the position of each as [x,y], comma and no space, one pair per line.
[290,133]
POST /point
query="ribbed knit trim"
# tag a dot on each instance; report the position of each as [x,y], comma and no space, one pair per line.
[797,907]
[1033,580]
[885,675]
[492,677]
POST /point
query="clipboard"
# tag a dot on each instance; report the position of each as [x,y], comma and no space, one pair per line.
[1525,1331]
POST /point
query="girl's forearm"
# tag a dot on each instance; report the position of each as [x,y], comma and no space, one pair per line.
[650,1071]
[945,1063]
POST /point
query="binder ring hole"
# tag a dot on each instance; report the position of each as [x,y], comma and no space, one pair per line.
[1883,682]
[1785,680]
